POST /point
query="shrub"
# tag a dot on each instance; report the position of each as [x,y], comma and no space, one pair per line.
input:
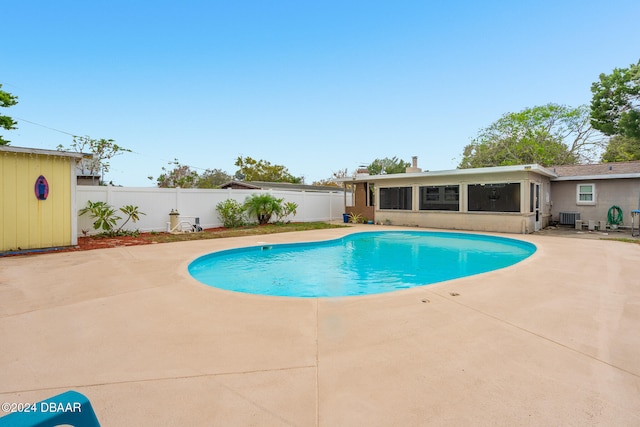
[104,215]
[289,208]
[132,214]
[355,218]
[106,218]
[232,213]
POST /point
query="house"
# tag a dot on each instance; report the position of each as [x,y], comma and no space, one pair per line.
[89,179]
[512,199]
[263,185]
[38,198]
[587,192]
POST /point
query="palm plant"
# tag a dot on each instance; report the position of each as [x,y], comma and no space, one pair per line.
[263,206]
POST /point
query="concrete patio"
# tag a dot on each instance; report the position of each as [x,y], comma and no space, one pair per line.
[553,340]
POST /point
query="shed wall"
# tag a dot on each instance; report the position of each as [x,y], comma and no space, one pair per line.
[29,223]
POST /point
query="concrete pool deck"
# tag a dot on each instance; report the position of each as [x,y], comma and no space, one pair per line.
[553,340]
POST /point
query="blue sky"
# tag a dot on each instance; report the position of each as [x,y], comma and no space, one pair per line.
[316,86]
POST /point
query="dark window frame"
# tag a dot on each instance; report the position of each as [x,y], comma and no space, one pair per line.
[439,197]
[494,197]
[396,198]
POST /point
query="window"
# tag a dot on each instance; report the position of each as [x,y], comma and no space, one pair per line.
[371,194]
[586,194]
[440,198]
[534,197]
[396,198]
[350,195]
[532,187]
[494,197]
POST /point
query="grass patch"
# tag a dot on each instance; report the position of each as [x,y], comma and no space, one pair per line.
[622,239]
[251,230]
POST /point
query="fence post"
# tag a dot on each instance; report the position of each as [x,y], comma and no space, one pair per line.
[331,206]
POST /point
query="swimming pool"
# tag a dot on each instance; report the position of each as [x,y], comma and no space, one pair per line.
[357,264]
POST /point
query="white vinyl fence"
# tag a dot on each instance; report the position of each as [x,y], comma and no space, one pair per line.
[157,203]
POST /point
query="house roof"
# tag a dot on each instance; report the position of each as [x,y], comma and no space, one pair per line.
[264,185]
[25,150]
[612,170]
[454,172]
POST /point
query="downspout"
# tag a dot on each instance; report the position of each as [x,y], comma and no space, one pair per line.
[344,196]
[74,211]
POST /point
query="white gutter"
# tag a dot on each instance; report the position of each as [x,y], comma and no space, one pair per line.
[453,172]
[594,177]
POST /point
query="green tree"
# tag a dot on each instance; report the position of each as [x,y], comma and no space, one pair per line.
[102,151]
[6,122]
[331,181]
[180,176]
[615,105]
[184,177]
[622,149]
[547,135]
[261,170]
[213,178]
[387,166]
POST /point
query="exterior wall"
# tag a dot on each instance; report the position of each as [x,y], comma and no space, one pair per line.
[29,223]
[624,193]
[359,203]
[517,222]
[475,221]
[156,203]
[88,180]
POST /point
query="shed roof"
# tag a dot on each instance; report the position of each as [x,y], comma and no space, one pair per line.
[25,150]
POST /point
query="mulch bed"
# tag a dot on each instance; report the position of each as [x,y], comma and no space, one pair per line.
[87,243]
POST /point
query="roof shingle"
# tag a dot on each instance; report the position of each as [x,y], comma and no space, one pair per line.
[612,168]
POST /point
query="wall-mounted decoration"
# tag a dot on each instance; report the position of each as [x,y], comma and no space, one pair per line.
[41,188]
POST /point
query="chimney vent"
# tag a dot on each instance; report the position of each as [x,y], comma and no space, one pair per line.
[414,166]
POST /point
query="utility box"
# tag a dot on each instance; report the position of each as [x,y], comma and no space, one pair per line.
[569,218]
[174,220]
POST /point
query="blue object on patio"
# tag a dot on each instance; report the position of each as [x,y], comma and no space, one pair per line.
[345,217]
[70,408]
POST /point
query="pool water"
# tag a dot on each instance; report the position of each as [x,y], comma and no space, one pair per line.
[357,264]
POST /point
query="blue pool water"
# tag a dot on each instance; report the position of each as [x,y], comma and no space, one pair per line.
[357,264]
